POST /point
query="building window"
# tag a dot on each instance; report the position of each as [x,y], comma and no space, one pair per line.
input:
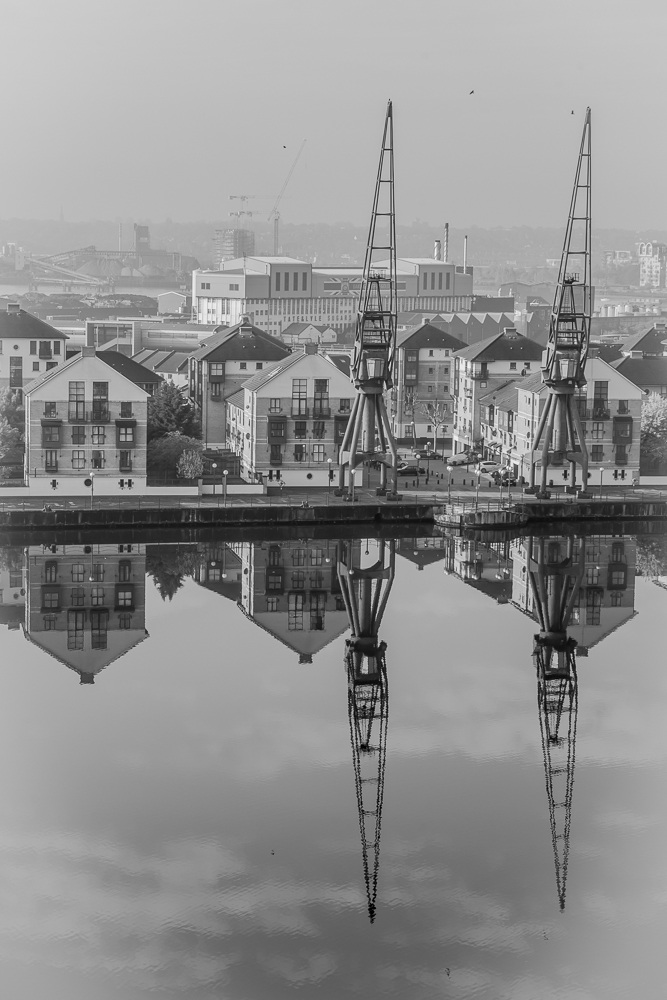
[126,410]
[51,461]
[299,557]
[430,388]
[425,281]
[512,366]
[97,596]
[50,409]
[295,612]
[126,435]
[287,281]
[98,434]
[124,620]
[216,368]
[77,400]
[623,406]
[616,598]
[35,366]
[439,281]
[124,597]
[126,461]
[276,455]
[275,405]
[431,371]
[99,624]
[300,397]
[215,390]
[75,624]
[277,430]
[100,400]
[344,406]
[277,281]
[77,597]
[33,347]
[597,453]
[318,453]
[50,436]
[49,622]
[597,431]
[300,452]
[79,434]
[78,570]
[56,347]
[319,428]
[593,604]
[243,366]
[272,604]
[299,580]
[259,365]
[50,572]
[78,459]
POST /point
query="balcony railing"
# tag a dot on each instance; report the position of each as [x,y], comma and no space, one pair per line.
[300,410]
[320,411]
[78,414]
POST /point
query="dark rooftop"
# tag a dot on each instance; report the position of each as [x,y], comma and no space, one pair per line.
[17,324]
[243,342]
[503,346]
[428,335]
[130,369]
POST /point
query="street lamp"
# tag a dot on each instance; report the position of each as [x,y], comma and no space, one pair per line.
[329,461]
[225,473]
[601,471]
[450,469]
[477,490]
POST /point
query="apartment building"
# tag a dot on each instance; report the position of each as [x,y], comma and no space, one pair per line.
[28,347]
[287,422]
[85,604]
[291,591]
[652,263]
[85,430]
[421,400]
[221,366]
[483,368]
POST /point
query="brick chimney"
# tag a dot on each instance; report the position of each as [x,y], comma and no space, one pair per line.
[310,348]
[13,308]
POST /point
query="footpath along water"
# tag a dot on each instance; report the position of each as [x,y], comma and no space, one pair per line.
[350,762]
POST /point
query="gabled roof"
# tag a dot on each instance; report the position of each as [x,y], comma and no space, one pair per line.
[294,329]
[643,371]
[229,345]
[428,335]
[128,367]
[650,342]
[236,398]
[22,325]
[259,380]
[502,347]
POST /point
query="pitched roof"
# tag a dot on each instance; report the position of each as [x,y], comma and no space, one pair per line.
[228,345]
[22,325]
[502,347]
[428,335]
[650,342]
[136,373]
[643,371]
[259,380]
[236,398]
[504,395]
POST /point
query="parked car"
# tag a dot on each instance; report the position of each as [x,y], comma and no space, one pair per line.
[425,454]
[506,479]
[405,469]
[463,458]
[488,467]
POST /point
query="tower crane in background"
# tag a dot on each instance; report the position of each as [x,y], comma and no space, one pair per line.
[556,571]
[275,214]
[559,436]
[365,590]
[368,436]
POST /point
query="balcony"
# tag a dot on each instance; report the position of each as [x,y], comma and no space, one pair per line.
[600,411]
[78,414]
[320,412]
[300,410]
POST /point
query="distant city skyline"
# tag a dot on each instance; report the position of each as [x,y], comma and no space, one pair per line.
[175,106]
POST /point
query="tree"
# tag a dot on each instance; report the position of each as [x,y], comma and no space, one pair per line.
[168,566]
[169,411]
[12,421]
[163,453]
[651,556]
[436,412]
[190,464]
[653,440]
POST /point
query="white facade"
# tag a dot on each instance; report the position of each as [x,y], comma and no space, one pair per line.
[85,431]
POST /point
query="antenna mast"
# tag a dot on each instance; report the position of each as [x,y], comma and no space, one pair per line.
[559,437]
[368,435]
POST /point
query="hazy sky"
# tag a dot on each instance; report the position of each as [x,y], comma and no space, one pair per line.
[157,108]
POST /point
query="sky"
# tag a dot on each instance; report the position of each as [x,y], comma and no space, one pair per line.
[160,109]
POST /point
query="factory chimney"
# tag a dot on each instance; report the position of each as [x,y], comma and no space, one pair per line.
[465,254]
[445,255]
[437,250]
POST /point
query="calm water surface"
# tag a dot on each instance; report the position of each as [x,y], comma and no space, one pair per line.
[207,794]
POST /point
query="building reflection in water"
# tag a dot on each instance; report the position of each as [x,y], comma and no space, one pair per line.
[365,582]
[579,589]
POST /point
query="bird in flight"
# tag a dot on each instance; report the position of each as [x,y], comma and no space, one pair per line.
[285,147]
[471,92]
[571,112]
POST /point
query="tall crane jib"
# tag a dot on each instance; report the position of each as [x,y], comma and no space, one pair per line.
[556,570]
[559,438]
[368,436]
[365,589]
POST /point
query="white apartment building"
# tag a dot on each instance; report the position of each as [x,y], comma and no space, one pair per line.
[85,430]
[277,291]
[652,264]
[28,347]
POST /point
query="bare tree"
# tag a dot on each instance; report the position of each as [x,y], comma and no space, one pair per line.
[437,414]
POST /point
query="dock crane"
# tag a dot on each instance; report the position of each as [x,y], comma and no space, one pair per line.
[365,591]
[555,571]
[368,436]
[275,214]
[559,436]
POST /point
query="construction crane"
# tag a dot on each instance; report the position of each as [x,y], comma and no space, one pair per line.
[275,214]
[368,436]
[365,590]
[556,571]
[559,437]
